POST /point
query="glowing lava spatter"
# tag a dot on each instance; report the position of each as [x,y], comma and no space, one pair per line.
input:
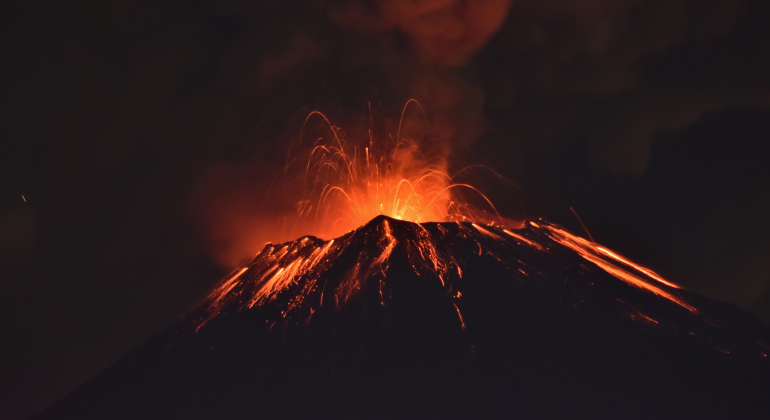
[378,198]
[346,180]
[312,273]
[620,267]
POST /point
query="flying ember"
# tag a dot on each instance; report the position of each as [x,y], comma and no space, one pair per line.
[416,302]
[350,181]
[437,251]
[347,180]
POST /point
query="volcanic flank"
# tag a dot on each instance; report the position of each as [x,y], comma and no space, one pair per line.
[441,320]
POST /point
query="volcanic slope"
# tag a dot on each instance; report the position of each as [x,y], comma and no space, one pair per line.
[398,320]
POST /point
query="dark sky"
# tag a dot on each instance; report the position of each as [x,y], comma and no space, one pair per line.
[650,117]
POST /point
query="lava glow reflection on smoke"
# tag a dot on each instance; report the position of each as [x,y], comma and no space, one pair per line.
[343,182]
[348,181]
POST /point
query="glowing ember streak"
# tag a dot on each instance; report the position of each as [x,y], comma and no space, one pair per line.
[355,278]
[460,315]
[388,248]
[486,232]
[220,292]
[227,286]
[525,240]
[641,269]
[425,247]
[309,268]
[348,180]
[589,251]
[346,183]
[636,313]
[280,281]
[285,276]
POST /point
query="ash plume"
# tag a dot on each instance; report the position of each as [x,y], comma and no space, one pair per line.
[413,50]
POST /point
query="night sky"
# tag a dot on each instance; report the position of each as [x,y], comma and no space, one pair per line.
[131,130]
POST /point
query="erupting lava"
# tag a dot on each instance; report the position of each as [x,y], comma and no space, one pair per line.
[345,182]
[400,300]
[314,272]
[450,320]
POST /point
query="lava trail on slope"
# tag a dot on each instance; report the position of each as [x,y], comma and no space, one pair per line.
[399,320]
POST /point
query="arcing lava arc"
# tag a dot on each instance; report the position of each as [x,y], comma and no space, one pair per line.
[451,320]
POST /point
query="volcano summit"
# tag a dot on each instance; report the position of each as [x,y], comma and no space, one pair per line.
[399,320]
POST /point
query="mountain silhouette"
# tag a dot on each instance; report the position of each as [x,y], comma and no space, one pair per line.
[398,320]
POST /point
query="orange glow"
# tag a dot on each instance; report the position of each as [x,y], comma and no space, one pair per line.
[287,274]
[521,239]
[646,271]
[593,253]
[636,314]
[299,268]
[330,181]
[341,183]
[221,291]
[348,181]
[459,315]
[486,232]
[648,318]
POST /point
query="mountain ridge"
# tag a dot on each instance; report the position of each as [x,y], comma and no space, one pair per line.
[452,320]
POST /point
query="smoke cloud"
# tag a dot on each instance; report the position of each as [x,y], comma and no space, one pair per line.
[446,32]
[412,49]
[623,71]
[611,71]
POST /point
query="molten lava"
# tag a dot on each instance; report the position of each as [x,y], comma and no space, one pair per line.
[345,181]
[355,192]
[429,311]
[333,181]
[313,273]
[450,320]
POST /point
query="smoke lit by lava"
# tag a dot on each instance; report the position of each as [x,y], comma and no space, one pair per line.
[345,182]
[334,180]
[401,300]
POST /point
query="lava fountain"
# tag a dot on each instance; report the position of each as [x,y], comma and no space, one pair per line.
[345,181]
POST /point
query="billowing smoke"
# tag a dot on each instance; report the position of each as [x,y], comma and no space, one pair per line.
[539,69]
[622,71]
[411,49]
[445,32]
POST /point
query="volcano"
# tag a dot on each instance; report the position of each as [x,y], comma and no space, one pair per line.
[400,320]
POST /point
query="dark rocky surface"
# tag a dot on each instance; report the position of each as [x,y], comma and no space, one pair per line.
[441,320]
